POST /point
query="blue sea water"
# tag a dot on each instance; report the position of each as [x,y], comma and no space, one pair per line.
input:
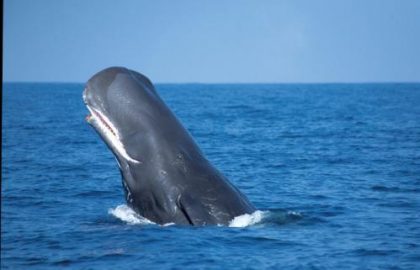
[335,168]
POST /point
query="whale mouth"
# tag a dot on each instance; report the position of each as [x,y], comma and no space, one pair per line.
[109,132]
[102,120]
[99,120]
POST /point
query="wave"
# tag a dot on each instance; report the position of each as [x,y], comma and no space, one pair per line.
[278,217]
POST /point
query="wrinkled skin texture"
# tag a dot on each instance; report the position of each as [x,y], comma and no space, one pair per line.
[168,179]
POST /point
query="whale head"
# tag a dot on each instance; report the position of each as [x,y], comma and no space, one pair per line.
[126,111]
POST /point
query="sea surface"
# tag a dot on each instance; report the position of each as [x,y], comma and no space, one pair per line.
[333,168]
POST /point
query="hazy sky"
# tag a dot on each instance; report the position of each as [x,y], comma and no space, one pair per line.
[213,41]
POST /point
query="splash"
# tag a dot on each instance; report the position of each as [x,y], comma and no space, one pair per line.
[269,217]
[248,219]
[127,215]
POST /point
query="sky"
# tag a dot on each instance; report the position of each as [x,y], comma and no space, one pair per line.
[213,41]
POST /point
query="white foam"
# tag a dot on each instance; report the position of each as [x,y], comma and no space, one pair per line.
[247,219]
[126,214]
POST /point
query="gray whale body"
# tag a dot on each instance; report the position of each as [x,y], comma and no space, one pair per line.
[165,176]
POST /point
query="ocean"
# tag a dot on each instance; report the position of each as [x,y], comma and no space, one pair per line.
[334,170]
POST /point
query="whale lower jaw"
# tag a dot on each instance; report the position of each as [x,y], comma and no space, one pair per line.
[111,135]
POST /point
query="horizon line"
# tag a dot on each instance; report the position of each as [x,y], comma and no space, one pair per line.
[217,83]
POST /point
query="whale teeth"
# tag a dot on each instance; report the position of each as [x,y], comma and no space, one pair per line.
[106,124]
[108,131]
